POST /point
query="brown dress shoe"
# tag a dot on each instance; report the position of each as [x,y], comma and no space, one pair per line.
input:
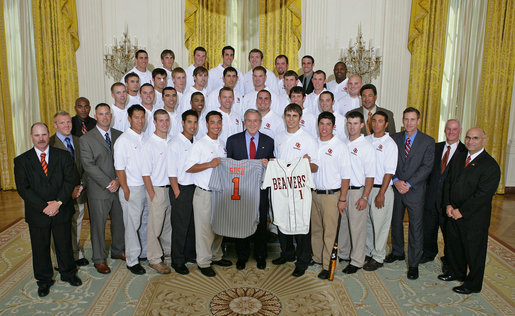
[161,268]
[120,257]
[102,268]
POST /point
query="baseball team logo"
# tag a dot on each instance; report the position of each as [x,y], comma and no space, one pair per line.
[302,122]
[267,125]
[330,151]
[380,147]
[355,150]
[237,121]
[297,145]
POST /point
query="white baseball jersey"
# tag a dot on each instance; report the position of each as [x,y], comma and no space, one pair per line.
[235,197]
[290,185]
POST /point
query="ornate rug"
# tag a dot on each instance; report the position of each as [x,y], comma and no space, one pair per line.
[272,291]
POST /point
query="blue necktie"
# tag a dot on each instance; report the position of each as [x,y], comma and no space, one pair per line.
[108,140]
[69,146]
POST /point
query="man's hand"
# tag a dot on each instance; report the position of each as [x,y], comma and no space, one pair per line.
[401,186]
[264,162]
[215,162]
[127,194]
[52,208]
[307,156]
[379,200]
[114,185]
[151,194]
[176,194]
[448,210]
[76,191]
[456,214]
[361,204]
[341,207]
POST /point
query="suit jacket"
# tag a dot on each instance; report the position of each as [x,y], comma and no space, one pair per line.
[471,189]
[98,162]
[310,87]
[237,147]
[77,125]
[436,178]
[418,165]
[36,189]
[391,122]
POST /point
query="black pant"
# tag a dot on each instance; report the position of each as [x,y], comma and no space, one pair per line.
[434,218]
[467,248]
[303,248]
[41,260]
[260,236]
[183,225]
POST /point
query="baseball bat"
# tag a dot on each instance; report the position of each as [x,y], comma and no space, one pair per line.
[334,253]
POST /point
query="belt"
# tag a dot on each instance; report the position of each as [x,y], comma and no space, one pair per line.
[377,185]
[327,191]
[203,189]
[163,186]
[354,188]
[186,186]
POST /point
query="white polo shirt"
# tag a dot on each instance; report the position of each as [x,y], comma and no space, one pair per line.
[144,77]
[340,126]
[338,89]
[231,124]
[120,118]
[346,104]
[334,159]
[149,127]
[309,123]
[186,99]
[212,102]
[175,124]
[249,101]
[386,151]
[127,156]
[189,76]
[204,150]
[216,79]
[158,100]
[248,83]
[272,124]
[289,146]
[311,102]
[154,160]
[363,160]
[133,100]
[178,150]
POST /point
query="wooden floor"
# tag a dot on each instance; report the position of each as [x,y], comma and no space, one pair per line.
[502,226]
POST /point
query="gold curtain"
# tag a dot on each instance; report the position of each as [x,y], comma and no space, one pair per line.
[6,132]
[280,30]
[497,79]
[204,25]
[56,39]
[426,43]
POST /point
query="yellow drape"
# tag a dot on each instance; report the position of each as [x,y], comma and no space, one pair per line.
[280,30]
[426,42]
[6,132]
[56,39]
[493,112]
[204,25]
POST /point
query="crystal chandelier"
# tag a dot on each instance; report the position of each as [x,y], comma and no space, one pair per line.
[361,60]
[119,58]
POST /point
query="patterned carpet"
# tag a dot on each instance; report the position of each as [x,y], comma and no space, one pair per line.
[272,291]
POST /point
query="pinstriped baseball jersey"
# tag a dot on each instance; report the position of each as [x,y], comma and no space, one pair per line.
[291,186]
[235,197]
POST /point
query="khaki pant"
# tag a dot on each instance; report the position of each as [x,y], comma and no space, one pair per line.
[207,244]
[353,231]
[132,214]
[378,225]
[157,208]
[324,223]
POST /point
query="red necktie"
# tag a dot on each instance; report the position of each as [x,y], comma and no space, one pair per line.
[445,158]
[44,164]
[467,161]
[407,148]
[84,130]
[252,149]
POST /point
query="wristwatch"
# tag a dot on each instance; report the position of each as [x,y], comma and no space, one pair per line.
[365,198]
[60,203]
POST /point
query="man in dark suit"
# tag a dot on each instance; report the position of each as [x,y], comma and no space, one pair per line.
[252,144]
[414,164]
[44,179]
[308,64]
[63,139]
[82,122]
[368,108]
[96,153]
[467,195]
[434,213]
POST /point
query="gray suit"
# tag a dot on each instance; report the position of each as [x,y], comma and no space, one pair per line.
[414,170]
[97,161]
[391,121]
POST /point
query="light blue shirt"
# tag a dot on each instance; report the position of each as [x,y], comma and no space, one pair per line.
[62,138]
[247,141]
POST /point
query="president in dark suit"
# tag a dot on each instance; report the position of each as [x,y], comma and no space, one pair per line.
[82,122]
[63,139]
[434,212]
[467,195]
[368,108]
[96,153]
[252,144]
[44,179]
[414,164]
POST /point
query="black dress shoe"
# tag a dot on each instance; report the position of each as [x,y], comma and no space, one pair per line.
[312,262]
[209,272]
[44,289]
[425,260]
[449,277]
[413,273]
[180,268]
[74,281]
[222,263]
[82,262]
[282,260]
[142,258]
[463,290]
[392,258]
[372,265]
[350,269]
[240,264]
[137,269]
[367,258]
[324,275]
[298,272]
[261,264]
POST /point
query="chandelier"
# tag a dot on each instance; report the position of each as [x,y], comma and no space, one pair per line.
[119,58]
[361,60]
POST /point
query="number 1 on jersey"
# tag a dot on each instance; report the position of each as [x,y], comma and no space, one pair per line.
[236,190]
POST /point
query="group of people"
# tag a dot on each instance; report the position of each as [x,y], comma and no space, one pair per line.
[147,163]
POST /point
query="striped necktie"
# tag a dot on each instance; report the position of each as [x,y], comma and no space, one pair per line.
[407,148]
[467,161]
[84,130]
[443,165]
[44,165]
[108,140]
[69,146]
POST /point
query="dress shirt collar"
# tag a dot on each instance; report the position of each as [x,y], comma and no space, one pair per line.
[62,138]
[39,152]
[103,133]
[473,156]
